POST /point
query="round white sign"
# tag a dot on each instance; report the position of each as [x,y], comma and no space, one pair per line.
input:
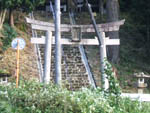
[21,42]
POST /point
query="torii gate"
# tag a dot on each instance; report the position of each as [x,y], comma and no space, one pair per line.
[49,39]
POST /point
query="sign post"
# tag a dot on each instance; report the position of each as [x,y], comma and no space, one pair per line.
[18,44]
[17,67]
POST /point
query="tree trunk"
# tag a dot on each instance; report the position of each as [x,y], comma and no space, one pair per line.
[101,8]
[148,30]
[2,17]
[112,8]
[71,6]
[11,18]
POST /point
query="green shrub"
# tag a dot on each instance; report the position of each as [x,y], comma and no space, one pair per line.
[114,87]
[34,97]
[9,34]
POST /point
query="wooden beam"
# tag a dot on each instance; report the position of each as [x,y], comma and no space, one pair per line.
[32,21]
[40,25]
[65,41]
[106,25]
[45,28]
[112,42]
[68,29]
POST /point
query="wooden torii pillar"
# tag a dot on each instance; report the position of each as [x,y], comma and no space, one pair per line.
[45,26]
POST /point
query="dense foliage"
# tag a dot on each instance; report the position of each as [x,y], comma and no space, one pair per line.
[33,97]
[137,14]
[23,5]
[114,87]
[26,5]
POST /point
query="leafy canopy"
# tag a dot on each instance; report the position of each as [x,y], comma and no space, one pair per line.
[26,5]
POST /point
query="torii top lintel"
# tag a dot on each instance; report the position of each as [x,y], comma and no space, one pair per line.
[40,25]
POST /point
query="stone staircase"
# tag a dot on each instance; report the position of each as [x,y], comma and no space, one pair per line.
[74,74]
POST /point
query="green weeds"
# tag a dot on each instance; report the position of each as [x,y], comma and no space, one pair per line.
[34,97]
